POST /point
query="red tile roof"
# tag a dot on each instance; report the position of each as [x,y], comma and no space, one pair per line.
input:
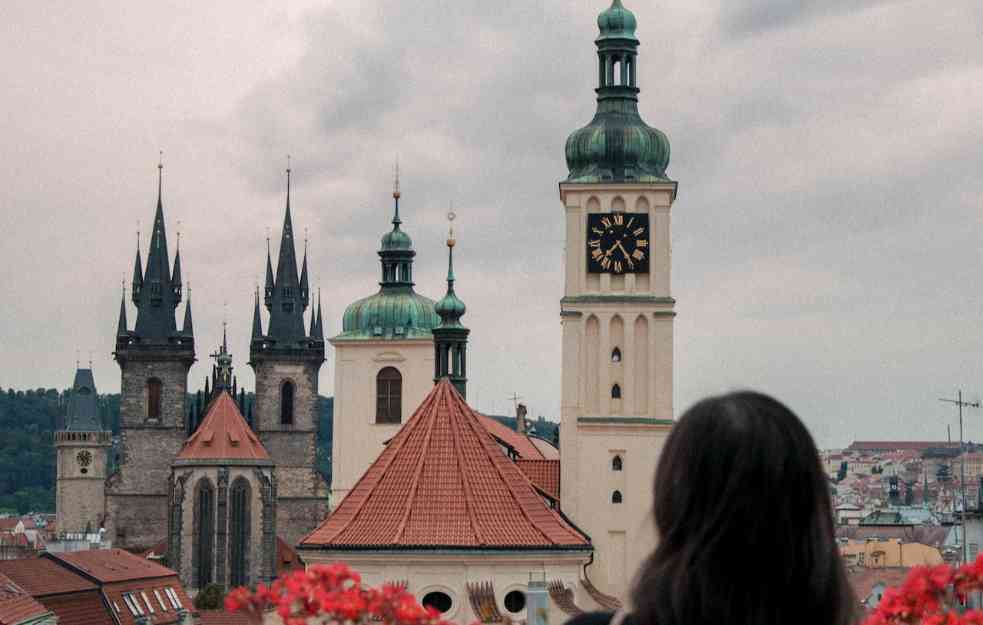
[286,558]
[7,524]
[16,604]
[863,580]
[79,608]
[549,451]
[507,436]
[43,576]
[442,482]
[112,565]
[543,473]
[223,435]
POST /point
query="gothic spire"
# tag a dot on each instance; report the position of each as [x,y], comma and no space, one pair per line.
[156,295]
[268,289]
[319,326]
[137,282]
[188,328]
[257,321]
[176,276]
[121,324]
[286,302]
[304,283]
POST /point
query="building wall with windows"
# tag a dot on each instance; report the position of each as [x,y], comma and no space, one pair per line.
[360,428]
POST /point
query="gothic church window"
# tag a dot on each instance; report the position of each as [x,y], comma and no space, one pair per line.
[239,533]
[204,514]
[616,463]
[154,391]
[616,355]
[616,497]
[389,391]
[616,392]
[287,403]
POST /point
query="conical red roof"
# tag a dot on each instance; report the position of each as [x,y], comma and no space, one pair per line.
[443,482]
[223,435]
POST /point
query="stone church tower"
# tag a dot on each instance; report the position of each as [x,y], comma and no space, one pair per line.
[154,358]
[286,360]
[80,496]
[616,314]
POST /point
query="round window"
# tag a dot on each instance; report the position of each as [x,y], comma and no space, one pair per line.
[515,601]
[437,600]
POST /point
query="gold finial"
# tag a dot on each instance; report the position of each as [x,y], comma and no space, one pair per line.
[160,160]
[179,235]
[288,163]
[396,193]
[451,216]
[76,358]
[90,359]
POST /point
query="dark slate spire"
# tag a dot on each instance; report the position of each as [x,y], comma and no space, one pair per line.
[157,297]
[222,379]
[176,276]
[188,328]
[305,287]
[450,338]
[286,305]
[121,324]
[319,326]
[257,322]
[137,283]
[83,406]
[311,334]
[268,289]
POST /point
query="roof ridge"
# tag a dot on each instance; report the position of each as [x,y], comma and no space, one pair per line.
[497,457]
[392,450]
[401,530]
[465,482]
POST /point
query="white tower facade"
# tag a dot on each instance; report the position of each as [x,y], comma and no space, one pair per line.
[617,315]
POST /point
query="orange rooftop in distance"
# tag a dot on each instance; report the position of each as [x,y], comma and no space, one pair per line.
[443,483]
[223,435]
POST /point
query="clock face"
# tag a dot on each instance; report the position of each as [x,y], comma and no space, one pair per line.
[618,243]
[84,458]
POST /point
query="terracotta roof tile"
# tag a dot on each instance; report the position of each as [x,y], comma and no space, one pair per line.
[111,565]
[286,558]
[42,576]
[506,435]
[79,608]
[545,474]
[223,435]
[863,580]
[442,482]
[16,604]
[899,445]
[546,448]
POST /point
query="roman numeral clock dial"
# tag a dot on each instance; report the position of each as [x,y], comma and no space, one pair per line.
[618,243]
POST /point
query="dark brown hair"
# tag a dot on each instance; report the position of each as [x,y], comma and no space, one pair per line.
[745,526]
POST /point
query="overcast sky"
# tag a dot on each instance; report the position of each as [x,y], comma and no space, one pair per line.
[827,238]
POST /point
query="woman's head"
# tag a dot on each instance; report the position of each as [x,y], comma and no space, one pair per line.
[742,510]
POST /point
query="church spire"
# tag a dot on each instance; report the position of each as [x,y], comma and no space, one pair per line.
[188,328]
[137,282]
[286,294]
[450,337]
[396,252]
[121,324]
[257,321]
[304,283]
[319,327]
[156,294]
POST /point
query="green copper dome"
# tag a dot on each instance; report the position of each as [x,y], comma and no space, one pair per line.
[396,239]
[390,315]
[617,145]
[396,311]
[617,22]
[450,308]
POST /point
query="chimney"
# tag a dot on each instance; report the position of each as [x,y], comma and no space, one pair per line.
[520,418]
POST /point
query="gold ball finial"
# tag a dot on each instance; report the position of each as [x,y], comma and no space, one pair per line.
[396,193]
[451,241]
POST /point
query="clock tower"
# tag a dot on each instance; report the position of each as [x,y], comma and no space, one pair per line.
[616,313]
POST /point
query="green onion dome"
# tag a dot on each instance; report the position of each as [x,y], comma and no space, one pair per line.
[617,145]
[450,309]
[396,240]
[617,22]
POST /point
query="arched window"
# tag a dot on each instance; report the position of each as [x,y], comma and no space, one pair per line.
[239,533]
[287,403]
[616,463]
[616,497]
[154,390]
[616,355]
[388,396]
[204,534]
[616,392]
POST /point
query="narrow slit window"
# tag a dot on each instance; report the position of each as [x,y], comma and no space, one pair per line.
[616,392]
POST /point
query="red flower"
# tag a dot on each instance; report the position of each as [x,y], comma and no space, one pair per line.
[930,596]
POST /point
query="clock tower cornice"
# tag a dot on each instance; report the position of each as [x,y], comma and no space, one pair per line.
[583,188]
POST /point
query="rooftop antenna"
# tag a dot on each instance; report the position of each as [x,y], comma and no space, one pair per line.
[515,401]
